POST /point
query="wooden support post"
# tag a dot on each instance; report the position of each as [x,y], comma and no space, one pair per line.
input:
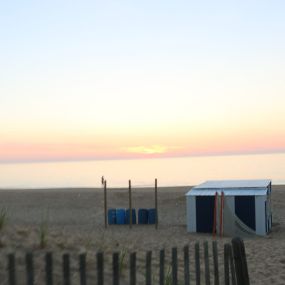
[30,268]
[12,269]
[130,204]
[240,261]
[232,267]
[148,268]
[133,280]
[116,271]
[156,206]
[197,263]
[227,249]
[207,267]
[174,266]
[216,263]
[82,268]
[49,268]
[186,266]
[161,267]
[222,214]
[215,215]
[105,203]
[100,268]
[66,269]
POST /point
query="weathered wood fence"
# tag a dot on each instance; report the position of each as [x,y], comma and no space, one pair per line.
[234,269]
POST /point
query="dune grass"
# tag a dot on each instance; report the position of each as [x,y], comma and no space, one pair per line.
[3,217]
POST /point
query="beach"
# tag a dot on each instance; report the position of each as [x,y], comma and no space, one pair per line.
[73,219]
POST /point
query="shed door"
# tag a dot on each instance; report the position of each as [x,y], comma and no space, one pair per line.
[205,213]
[245,210]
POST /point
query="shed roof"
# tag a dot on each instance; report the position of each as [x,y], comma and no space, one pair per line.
[231,188]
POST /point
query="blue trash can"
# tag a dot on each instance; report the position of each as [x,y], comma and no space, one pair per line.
[151,216]
[120,216]
[142,216]
[134,218]
[112,216]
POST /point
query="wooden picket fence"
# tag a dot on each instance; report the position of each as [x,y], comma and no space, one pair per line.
[234,272]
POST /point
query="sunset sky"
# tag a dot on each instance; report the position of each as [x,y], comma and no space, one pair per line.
[137,79]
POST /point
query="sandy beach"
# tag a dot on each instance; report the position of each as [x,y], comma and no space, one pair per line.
[74,219]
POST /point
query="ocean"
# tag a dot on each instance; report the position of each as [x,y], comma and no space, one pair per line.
[142,172]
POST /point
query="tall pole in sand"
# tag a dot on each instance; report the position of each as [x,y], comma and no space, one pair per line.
[130,204]
[155,202]
[105,203]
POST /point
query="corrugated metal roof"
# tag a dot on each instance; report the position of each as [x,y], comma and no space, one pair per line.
[227,192]
[234,184]
[231,188]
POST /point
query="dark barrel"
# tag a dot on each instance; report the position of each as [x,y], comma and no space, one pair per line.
[134,217]
[112,216]
[143,216]
[120,216]
[151,216]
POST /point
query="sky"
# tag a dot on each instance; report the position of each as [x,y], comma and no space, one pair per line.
[137,79]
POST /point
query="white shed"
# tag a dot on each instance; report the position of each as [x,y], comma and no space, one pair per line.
[233,207]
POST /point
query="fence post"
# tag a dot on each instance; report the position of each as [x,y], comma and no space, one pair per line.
[226,264]
[155,204]
[240,261]
[174,266]
[161,267]
[11,269]
[48,267]
[197,263]
[148,268]
[216,263]
[82,268]
[186,266]
[232,266]
[66,269]
[207,268]
[116,277]
[133,268]
[130,205]
[105,203]
[30,268]
[100,268]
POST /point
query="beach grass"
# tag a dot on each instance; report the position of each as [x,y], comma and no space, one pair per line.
[3,217]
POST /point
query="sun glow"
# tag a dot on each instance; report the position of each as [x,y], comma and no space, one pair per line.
[153,149]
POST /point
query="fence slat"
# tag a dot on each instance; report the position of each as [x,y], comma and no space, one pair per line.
[207,267]
[174,266]
[232,266]
[133,268]
[161,266]
[226,264]
[116,277]
[12,269]
[66,269]
[82,268]
[240,261]
[197,263]
[48,268]
[216,263]
[30,268]
[148,268]
[100,268]
[186,265]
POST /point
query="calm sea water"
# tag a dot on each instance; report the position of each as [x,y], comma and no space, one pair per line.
[168,171]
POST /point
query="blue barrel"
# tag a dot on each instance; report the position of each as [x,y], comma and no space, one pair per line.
[134,218]
[120,216]
[142,216]
[112,216]
[151,216]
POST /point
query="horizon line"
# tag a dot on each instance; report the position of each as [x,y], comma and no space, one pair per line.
[164,156]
